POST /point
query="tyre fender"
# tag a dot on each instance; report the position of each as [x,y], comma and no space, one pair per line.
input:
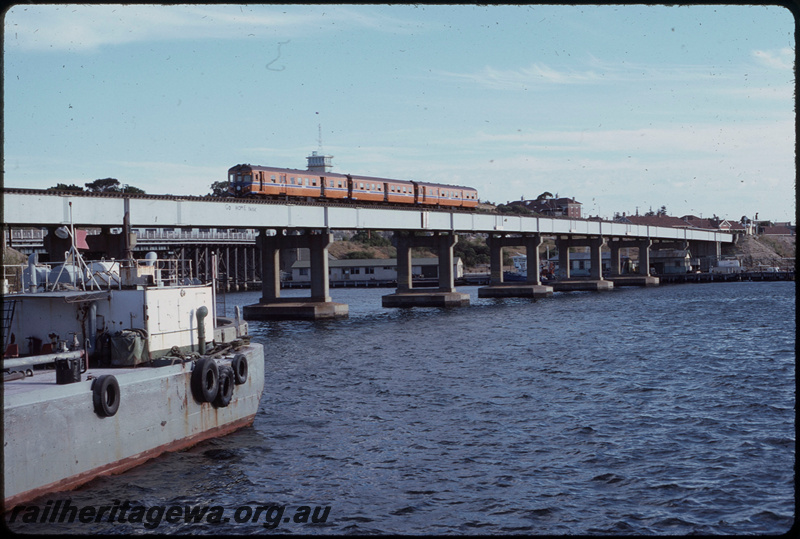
[205,380]
[105,395]
[239,366]
[226,383]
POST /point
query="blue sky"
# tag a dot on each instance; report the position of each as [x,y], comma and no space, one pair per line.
[621,107]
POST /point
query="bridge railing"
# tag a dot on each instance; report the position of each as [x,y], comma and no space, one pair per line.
[195,235]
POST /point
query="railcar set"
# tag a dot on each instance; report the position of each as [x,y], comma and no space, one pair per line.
[269,182]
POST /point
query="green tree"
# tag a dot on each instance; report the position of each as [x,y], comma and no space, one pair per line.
[513,208]
[219,189]
[372,239]
[471,252]
[65,187]
[111,185]
[106,185]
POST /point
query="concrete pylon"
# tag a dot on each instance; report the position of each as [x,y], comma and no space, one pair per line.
[445,295]
[498,288]
[315,307]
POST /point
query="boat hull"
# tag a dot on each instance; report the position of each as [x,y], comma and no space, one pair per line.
[54,440]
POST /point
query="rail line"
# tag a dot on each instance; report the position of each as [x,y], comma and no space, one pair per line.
[237,200]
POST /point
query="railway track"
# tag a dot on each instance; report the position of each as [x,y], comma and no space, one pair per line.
[237,200]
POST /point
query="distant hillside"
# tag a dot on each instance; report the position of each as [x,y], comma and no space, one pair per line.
[769,250]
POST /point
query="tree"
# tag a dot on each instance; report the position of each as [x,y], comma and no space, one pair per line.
[112,185]
[365,237]
[65,187]
[106,185]
[472,252]
[513,208]
[219,189]
[545,195]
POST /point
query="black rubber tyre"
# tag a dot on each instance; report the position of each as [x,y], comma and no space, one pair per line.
[226,383]
[205,380]
[105,395]
[239,366]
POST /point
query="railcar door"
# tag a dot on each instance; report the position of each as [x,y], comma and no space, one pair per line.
[282,185]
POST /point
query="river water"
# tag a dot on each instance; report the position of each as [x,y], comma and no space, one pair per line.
[666,410]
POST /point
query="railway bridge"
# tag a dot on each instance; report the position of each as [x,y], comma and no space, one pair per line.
[287,225]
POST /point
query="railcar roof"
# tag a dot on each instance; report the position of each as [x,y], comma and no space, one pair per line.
[297,171]
[448,186]
[376,178]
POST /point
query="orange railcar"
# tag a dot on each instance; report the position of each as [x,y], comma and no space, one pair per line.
[249,180]
[435,194]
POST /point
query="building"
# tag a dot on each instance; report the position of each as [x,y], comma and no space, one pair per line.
[553,207]
[672,261]
[780,230]
[373,270]
[654,220]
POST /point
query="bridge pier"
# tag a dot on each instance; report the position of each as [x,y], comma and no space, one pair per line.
[443,296]
[274,307]
[595,281]
[498,288]
[643,277]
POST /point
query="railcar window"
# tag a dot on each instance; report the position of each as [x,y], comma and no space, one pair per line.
[273,178]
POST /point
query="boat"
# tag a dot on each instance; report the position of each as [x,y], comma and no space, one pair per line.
[110,364]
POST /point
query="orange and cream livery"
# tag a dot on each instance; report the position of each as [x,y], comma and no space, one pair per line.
[270,182]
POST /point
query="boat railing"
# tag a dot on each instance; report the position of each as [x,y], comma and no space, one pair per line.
[75,274]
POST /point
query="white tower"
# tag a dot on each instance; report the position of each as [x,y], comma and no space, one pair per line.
[319,163]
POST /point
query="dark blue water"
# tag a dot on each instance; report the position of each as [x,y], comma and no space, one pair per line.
[665,410]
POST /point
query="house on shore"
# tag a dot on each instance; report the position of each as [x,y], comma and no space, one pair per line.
[373,270]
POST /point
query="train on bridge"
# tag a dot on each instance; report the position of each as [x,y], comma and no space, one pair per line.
[286,183]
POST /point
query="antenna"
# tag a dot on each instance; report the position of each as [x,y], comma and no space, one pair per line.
[319,138]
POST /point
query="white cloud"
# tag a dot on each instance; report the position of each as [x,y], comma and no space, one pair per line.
[598,72]
[88,27]
[782,59]
[774,138]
